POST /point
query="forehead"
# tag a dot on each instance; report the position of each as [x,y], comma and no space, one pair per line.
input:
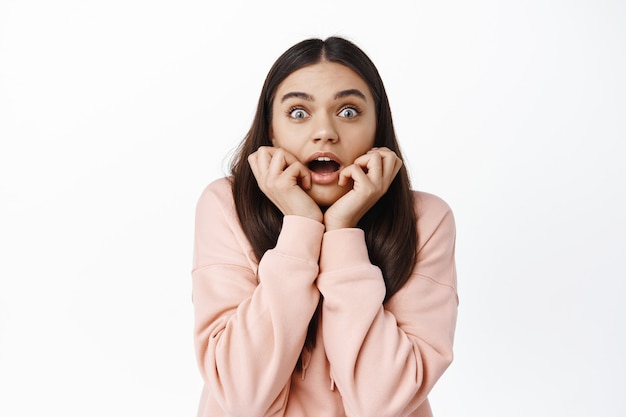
[323,78]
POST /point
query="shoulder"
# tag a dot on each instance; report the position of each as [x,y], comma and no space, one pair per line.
[220,188]
[434,217]
[218,193]
[429,204]
[218,234]
[216,206]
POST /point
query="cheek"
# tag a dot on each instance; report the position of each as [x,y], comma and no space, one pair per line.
[362,139]
[284,136]
[372,132]
[277,135]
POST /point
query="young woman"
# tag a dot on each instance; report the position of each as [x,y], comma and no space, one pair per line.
[322,285]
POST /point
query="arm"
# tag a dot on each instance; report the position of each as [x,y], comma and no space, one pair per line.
[250,325]
[385,359]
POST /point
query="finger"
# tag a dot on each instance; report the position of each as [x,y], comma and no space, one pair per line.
[289,158]
[286,166]
[253,161]
[371,164]
[346,174]
[259,162]
[264,155]
[273,151]
[377,149]
[382,151]
[391,165]
[277,163]
[300,173]
[397,166]
[355,173]
[391,162]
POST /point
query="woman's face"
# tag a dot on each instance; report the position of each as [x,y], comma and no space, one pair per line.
[324,114]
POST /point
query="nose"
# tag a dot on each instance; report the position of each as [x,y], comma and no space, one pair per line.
[324,130]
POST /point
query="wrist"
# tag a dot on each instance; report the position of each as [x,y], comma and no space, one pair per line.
[309,214]
[316,216]
[338,224]
[310,211]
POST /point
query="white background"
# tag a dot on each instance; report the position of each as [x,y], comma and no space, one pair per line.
[114,116]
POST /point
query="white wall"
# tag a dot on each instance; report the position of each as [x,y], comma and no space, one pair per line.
[114,115]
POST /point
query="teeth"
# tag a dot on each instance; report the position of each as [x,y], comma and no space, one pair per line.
[323,159]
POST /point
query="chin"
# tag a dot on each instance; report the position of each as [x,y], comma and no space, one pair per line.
[326,196]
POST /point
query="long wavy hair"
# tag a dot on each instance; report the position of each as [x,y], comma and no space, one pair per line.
[389,226]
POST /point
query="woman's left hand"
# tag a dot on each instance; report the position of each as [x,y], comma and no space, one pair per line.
[371,175]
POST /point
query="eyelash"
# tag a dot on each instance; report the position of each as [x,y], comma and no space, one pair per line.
[294,108]
[356,110]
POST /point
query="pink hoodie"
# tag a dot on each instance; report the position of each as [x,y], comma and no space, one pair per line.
[251,318]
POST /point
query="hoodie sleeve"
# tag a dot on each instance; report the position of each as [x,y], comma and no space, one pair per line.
[250,325]
[385,359]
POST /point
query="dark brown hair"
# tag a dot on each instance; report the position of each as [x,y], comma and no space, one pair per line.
[389,226]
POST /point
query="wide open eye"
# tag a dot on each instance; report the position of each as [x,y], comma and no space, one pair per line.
[298,113]
[349,112]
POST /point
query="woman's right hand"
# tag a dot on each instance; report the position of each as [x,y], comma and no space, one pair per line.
[283,179]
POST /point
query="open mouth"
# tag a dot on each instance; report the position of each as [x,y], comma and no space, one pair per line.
[323,165]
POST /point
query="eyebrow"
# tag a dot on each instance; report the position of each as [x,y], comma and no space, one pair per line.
[351,92]
[308,97]
[297,94]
